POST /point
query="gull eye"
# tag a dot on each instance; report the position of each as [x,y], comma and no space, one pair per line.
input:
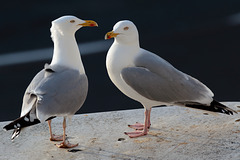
[72,21]
[125,28]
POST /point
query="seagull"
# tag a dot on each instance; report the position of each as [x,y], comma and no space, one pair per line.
[147,78]
[60,89]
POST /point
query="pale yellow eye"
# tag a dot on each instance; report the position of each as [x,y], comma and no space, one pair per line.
[125,28]
[72,21]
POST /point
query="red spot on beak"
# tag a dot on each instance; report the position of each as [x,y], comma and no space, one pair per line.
[92,24]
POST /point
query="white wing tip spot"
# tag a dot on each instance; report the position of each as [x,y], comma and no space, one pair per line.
[26,119]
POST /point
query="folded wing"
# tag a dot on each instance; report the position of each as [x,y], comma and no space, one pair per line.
[156,79]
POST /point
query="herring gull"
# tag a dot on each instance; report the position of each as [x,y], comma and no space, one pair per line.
[60,89]
[150,80]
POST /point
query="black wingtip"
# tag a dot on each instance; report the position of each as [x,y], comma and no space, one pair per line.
[4,129]
[20,123]
[10,126]
[215,106]
[223,108]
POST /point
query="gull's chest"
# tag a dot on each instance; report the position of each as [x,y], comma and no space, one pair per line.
[119,58]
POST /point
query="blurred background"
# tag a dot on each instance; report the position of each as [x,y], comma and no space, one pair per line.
[200,38]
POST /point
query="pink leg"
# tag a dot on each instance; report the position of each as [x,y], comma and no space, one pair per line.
[53,137]
[145,126]
[149,115]
[140,126]
[65,143]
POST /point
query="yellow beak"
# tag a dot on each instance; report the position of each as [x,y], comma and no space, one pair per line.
[111,35]
[89,23]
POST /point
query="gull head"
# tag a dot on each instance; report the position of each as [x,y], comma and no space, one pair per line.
[124,32]
[70,24]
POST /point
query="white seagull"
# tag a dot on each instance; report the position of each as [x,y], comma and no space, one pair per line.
[150,80]
[60,89]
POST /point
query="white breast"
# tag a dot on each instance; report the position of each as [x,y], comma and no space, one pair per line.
[120,57]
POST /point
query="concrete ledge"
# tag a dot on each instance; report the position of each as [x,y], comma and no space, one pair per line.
[176,133]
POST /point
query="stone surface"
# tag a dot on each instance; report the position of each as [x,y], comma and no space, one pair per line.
[176,133]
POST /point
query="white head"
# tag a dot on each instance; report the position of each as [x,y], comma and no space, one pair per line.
[66,51]
[66,25]
[124,32]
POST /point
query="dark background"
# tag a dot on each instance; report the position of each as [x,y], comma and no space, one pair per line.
[195,36]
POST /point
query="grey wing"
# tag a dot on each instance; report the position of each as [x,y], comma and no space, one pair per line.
[28,99]
[156,79]
[56,93]
[61,94]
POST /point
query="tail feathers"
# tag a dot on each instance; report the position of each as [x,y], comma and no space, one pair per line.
[15,133]
[20,123]
[215,106]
